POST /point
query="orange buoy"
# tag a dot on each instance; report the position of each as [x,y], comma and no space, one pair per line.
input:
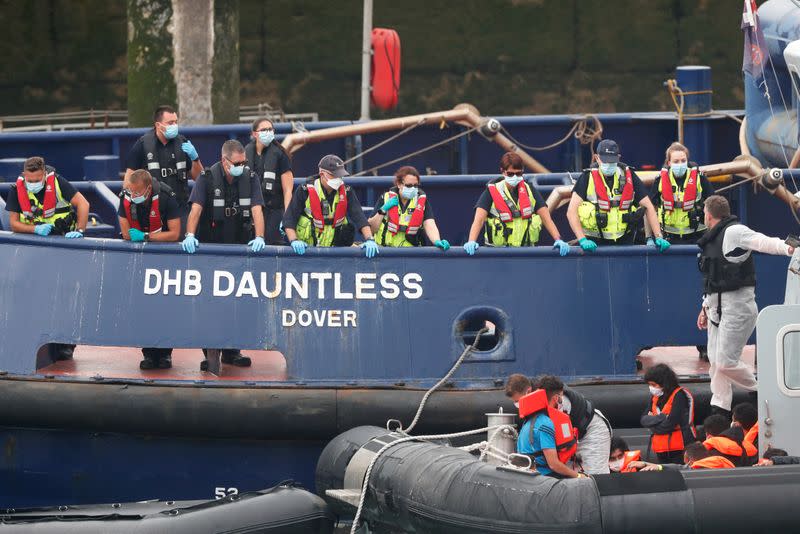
[385,79]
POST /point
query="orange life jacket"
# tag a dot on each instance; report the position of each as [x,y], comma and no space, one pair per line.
[534,404]
[744,455]
[155,213]
[752,435]
[603,202]
[414,224]
[630,456]
[48,208]
[713,462]
[689,193]
[674,440]
[508,212]
[317,213]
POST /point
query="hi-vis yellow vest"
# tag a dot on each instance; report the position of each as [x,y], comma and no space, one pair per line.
[318,224]
[512,224]
[614,204]
[675,212]
[399,225]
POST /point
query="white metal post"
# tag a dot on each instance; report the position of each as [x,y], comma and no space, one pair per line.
[366,59]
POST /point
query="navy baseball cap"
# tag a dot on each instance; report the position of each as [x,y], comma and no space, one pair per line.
[608,151]
[334,165]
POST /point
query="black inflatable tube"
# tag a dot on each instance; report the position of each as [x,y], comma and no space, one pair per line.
[277,413]
[423,487]
[282,510]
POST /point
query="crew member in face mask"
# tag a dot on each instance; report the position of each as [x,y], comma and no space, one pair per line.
[148,211]
[168,156]
[404,215]
[607,201]
[325,212]
[669,415]
[511,212]
[43,203]
[678,194]
[273,167]
[227,207]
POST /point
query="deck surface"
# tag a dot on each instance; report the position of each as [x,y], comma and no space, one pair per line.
[123,362]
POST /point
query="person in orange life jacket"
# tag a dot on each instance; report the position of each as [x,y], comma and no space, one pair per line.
[227,207]
[326,212]
[696,456]
[669,415]
[603,203]
[272,165]
[43,203]
[727,440]
[538,435]
[594,431]
[504,204]
[394,204]
[745,415]
[168,156]
[148,211]
[620,458]
[729,309]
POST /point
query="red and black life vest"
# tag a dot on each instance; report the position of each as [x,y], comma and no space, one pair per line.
[506,210]
[713,462]
[154,224]
[673,441]
[48,207]
[534,404]
[315,203]
[689,191]
[415,222]
[601,190]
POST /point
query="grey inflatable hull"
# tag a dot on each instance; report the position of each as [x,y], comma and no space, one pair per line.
[424,487]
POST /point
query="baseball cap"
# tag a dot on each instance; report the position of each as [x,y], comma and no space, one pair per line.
[608,151]
[334,165]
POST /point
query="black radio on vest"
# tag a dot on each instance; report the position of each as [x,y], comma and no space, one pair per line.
[167,164]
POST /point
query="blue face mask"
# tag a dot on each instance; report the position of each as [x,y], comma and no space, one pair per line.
[409,192]
[608,169]
[34,187]
[139,199]
[513,181]
[266,137]
[678,169]
[236,170]
[171,132]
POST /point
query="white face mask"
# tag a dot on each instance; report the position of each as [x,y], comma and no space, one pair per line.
[616,465]
[566,405]
[335,183]
[516,405]
[656,392]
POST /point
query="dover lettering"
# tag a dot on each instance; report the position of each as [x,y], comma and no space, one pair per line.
[291,286]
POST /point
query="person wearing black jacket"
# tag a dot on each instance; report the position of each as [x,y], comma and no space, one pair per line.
[594,430]
[669,415]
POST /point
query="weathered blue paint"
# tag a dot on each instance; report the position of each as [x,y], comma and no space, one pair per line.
[569,316]
[696,131]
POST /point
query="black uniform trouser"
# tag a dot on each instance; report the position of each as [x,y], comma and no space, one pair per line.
[225,352]
[156,354]
[690,239]
[272,224]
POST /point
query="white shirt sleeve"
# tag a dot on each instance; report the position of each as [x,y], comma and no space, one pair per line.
[741,237]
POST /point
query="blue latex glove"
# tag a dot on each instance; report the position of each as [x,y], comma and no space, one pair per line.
[443,244]
[651,243]
[190,150]
[587,244]
[280,229]
[389,204]
[471,247]
[662,244]
[137,236]
[257,244]
[299,247]
[43,229]
[563,248]
[73,235]
[370,248]
[190,244]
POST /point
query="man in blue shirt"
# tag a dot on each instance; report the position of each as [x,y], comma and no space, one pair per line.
[543,446]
